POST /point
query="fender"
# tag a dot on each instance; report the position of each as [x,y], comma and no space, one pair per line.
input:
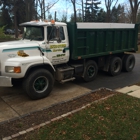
[26,65]
[23,63]
[46,64]
[47,61]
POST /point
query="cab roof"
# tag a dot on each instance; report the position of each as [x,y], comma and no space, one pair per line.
[42,23]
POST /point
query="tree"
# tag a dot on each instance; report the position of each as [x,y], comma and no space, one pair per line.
[101,16]
[5,13]
[43,7]
[64,18]
[118,14]
[5,18]
[29,9]
[74,9]
[138,16]
[81,2]
[78,18]
[134,4]
[109,5]
[91,10]
[128,14]
[15,7]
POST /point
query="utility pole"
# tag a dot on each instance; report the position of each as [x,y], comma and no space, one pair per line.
[44,9]
[55,16]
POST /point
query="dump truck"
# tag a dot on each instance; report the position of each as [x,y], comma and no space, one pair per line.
[55,51]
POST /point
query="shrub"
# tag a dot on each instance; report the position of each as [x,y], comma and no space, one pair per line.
[4,37]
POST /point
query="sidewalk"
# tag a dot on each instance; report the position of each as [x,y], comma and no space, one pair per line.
[133,90]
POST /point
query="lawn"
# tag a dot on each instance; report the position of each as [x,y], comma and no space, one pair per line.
[117,118]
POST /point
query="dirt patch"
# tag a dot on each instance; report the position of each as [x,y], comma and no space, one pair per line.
[20,124]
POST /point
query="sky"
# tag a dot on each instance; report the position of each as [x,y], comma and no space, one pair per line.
[61,7]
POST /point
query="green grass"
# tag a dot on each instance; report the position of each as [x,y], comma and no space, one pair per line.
[117,118]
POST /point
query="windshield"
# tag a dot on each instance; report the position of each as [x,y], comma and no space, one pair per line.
[34,33]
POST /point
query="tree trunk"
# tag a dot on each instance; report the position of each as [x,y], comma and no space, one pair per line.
[74,8]
[82,10]
[15,19]
[134,8]
[36,9]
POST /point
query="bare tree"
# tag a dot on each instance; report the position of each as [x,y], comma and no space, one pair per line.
[109,5]
[15,18]
[128,14]
[82,10]
[43,7]
[74,8]
[134,4]
[74,3]
[29,6]
[81,3]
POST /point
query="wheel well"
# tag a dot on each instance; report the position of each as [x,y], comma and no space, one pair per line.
[35,67]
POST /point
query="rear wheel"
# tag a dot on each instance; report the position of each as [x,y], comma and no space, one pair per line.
[128,62]
[115,66]
[38,84]
[91,70]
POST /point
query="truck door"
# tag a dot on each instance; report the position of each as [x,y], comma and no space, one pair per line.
[57,44]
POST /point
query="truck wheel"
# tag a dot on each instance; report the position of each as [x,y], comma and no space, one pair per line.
[115,66]
[38,84]
[91,70]
[129,62]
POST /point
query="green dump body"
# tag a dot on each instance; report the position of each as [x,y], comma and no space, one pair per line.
[88,40]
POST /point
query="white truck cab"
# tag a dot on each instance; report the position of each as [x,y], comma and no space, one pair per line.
[44,45]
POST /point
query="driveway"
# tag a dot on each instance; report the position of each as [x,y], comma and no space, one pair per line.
[15,103]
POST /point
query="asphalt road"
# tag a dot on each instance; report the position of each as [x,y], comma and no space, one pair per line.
[119,81]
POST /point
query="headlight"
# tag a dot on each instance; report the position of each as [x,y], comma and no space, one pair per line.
[12,69]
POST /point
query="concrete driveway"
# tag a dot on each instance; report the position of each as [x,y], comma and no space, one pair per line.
[15,103]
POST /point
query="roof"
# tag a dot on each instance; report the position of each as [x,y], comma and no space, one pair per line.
[105,25]
[41,23]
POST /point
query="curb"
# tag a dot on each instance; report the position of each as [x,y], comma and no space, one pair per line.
[57,118]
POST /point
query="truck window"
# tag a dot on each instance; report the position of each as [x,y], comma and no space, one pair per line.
[34,33]
[55,33]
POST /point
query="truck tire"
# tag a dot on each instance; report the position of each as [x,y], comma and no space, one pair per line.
[38,84]
[128,62]
[115,66]
[91,70]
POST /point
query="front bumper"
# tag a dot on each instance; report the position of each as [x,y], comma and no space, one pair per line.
[5,81]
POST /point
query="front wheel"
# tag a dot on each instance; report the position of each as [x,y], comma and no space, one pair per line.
[38,84]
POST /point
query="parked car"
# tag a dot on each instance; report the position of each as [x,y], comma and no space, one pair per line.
[19,31]
[9,31]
